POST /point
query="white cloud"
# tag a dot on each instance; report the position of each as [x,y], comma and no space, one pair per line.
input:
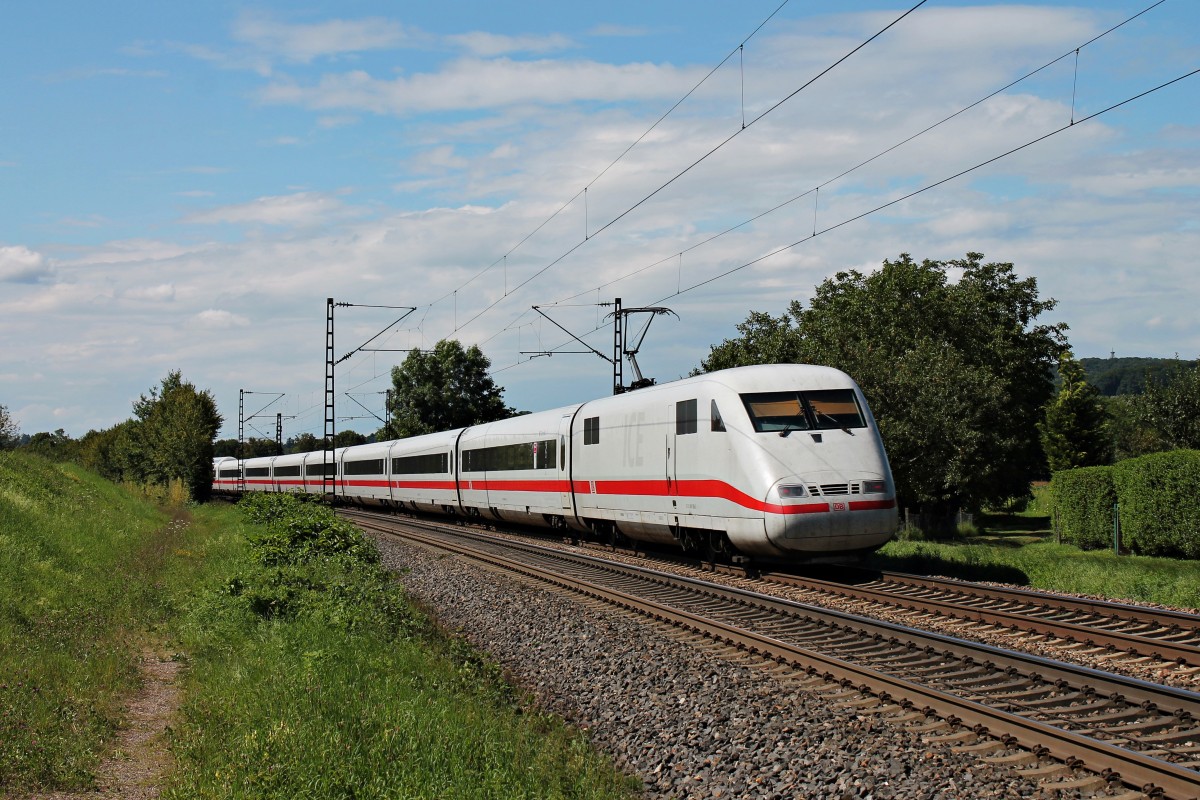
[441,157]
[488,45]
[123,252]
[481,84]
[295,210]
[163,292]
[305,42]
[1100,215]
[19,264]
[1130,175]
[216,320]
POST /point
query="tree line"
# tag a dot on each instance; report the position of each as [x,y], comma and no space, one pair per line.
[961,378]
[974,397]
[168,438]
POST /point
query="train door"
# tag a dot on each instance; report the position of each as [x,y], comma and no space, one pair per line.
[564,461]
[685,450]
[671,437]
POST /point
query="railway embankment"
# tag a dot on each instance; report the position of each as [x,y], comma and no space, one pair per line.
[80,561]
[302,668]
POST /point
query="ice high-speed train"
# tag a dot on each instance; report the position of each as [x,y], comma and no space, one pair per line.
[782,461]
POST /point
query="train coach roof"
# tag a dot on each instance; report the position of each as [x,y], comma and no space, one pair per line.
[779,376]
[364,451]
[758,378]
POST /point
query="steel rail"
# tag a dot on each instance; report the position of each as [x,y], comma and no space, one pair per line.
[1162,616]
[1133,768]
[1179,652]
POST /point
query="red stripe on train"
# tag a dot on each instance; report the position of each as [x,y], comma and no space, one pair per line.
[629,488]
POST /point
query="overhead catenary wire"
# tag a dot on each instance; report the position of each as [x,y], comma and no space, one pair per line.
[817,189]
[615,161]
[587,237]
[1073,123]
[1069,126]
[693,165]
[816,231]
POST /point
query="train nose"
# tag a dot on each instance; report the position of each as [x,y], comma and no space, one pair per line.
[826,513]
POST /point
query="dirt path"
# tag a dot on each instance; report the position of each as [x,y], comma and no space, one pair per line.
[140,758]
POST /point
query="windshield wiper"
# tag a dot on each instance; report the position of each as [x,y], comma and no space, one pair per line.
[837,423]
[791,426]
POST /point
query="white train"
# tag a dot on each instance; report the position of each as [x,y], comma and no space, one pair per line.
[780,461]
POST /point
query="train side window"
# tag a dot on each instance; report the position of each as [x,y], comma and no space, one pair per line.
[591,430]
[718,424]
[685,417]
[371,466]
[431,464]
[562,452]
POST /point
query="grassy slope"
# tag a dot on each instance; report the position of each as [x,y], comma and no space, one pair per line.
[75,596]
[312,677]
[304,680]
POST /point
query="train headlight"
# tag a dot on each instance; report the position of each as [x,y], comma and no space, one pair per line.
[874,487]
[787,492]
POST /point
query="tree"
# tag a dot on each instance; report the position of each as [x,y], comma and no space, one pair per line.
[171,437]
[446,388]
[57,446]
[9,430]
[956,374]
[1075,432]
[1166,416]
[348,438]
[1173,409]
[97,450]
[764,340]
[303,443]
[1118,376]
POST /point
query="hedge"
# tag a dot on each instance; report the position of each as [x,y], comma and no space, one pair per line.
[1083,506]
[1160,503]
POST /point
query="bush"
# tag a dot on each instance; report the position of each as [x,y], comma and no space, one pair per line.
[1083,506]
[301,531]
[311,676]
[1160,504]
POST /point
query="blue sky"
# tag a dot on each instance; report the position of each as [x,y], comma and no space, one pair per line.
[182,186]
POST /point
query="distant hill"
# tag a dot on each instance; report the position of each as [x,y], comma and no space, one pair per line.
[1113,376]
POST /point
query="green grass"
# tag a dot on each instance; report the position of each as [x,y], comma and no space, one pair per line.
[310,676]
[1039,563]
[308,673]
[1017,546]
[77,556]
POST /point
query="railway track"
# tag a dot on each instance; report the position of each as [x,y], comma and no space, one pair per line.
[1013,708]
[1137,631]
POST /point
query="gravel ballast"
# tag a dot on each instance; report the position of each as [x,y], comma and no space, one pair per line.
[687,722]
